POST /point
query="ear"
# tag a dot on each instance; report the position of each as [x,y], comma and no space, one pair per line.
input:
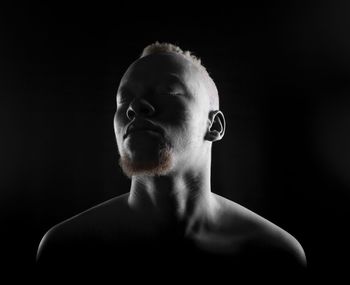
[216,126]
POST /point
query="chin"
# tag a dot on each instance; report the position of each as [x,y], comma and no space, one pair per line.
[159,166]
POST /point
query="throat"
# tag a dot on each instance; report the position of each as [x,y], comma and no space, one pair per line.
[171,208]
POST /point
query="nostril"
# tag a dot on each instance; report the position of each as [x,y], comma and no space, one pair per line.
[146,111]
[130,114]
[140,107]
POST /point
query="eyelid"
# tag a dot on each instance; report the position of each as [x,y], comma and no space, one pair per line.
[121,102]
[121,98]
[174,93]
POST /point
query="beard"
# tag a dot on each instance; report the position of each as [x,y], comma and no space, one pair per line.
[158,166]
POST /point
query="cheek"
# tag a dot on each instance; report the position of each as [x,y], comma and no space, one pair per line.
[120,118]
[192,130]
[197,118]
[198,128]
[118,123]
[178,113]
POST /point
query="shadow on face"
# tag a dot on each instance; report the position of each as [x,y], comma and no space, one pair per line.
[163,100]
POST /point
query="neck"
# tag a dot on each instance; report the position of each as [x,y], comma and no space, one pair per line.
[180,199]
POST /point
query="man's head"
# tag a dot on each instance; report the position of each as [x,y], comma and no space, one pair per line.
[167,113]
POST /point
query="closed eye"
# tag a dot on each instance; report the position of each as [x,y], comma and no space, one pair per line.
[121,100]
[123,95]
[174,93]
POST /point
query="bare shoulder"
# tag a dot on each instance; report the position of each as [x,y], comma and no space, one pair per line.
[91,222]
[260,234]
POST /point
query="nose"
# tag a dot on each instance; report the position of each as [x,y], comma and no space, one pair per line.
[140,107]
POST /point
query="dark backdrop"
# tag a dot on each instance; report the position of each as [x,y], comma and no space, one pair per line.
[283,76]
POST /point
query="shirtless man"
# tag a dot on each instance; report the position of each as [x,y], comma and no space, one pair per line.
[170,221]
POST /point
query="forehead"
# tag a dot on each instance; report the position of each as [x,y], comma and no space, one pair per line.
[164,67]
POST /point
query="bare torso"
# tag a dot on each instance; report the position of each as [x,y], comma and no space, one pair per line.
[112,235]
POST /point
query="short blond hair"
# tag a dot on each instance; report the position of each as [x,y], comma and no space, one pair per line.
[158,47]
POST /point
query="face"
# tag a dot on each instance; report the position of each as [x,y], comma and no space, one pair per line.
[162,115]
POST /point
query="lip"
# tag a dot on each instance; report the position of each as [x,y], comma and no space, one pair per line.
[142,126]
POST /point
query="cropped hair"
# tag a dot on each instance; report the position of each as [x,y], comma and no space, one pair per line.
[158,47]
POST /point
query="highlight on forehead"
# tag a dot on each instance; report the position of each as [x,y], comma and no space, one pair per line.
[171,48]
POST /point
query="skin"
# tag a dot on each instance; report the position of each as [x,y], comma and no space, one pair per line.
[182,196]
[177,206]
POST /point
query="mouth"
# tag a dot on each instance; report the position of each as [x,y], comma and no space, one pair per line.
[133,128]
[141,131]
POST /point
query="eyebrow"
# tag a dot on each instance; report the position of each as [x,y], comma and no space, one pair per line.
[168,79]
[174,77]
[123,89]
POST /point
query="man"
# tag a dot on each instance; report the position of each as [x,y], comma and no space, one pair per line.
[166,120]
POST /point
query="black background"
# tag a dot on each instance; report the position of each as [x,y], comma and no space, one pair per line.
[282,71]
